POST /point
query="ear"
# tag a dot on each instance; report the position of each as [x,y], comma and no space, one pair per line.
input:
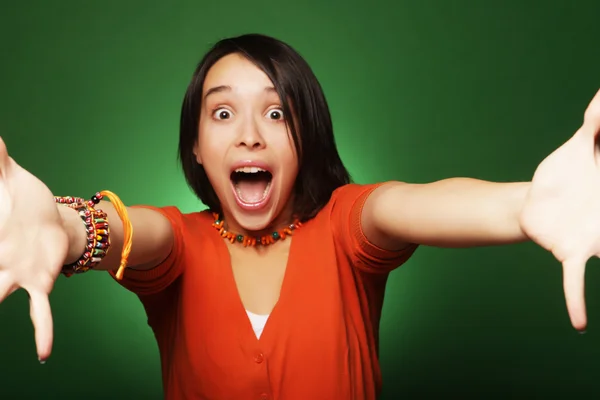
[197,154]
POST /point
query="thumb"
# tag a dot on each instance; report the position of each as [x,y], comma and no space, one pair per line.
[41,316]
[574,287]
[592,113]
[4,159]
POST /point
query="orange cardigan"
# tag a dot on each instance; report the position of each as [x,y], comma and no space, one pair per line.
[320,341]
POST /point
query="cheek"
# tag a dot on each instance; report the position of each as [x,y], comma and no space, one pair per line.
[209,155]
[289,162]
[210,141]
[285,145]
[213,168]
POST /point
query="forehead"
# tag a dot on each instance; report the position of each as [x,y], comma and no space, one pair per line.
[238,73]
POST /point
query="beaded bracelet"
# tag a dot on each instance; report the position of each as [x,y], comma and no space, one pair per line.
[98,235]
[98,232]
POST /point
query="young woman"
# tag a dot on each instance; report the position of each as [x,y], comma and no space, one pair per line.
[276,291]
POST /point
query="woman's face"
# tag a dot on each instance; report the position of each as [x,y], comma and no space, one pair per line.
[245,146]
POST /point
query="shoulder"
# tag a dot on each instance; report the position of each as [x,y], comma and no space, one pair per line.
[344,213]
[352,189]
[352,195]
[183,221]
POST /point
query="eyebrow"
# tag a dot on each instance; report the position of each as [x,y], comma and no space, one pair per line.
[226,88]
[217,89]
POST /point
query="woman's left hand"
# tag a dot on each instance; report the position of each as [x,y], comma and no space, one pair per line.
[562,210]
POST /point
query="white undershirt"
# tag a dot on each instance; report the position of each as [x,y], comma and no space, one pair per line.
[258,322]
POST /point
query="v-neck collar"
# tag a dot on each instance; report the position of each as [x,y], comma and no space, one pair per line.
[246,333]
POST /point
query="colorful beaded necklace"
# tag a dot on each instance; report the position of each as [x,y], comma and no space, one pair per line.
[264,240]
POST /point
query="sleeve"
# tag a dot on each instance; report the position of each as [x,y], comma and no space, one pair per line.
[346,216]
[155,280]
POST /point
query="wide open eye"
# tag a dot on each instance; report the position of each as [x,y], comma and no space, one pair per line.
[222,113]
[275,114]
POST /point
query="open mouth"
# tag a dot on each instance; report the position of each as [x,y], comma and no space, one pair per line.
[251,185]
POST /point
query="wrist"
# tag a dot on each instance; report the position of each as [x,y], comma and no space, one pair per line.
[520,197]
[75,231]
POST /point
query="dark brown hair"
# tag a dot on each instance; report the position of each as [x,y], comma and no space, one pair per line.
[321,170]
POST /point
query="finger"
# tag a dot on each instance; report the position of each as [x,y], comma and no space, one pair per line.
[574,287]
[592,113]
[7,286]
[41,316]
[3,155]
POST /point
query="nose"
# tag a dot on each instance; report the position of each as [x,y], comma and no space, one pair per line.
[250,136]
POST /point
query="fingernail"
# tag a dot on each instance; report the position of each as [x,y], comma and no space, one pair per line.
[582,332]
[42,361]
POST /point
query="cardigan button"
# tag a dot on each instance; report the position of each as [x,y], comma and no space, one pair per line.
[259,358]
[264,396]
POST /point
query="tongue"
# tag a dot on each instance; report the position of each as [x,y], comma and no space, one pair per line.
[251,190]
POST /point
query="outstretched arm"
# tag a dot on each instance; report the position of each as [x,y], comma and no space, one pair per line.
[559,210]
[457,212]
[37,239]
[152,239]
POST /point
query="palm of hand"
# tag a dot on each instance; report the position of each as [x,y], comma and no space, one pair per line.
[33,244]
[562,211]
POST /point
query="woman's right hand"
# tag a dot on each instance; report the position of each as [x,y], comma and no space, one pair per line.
[33,244]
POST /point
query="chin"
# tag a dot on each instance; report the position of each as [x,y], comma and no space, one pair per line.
[254,221]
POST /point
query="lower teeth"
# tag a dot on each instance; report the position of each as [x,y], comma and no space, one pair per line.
[239,192]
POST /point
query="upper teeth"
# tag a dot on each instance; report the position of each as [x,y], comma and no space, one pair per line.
[250,170]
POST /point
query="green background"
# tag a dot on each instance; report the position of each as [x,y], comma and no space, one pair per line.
[419,91]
